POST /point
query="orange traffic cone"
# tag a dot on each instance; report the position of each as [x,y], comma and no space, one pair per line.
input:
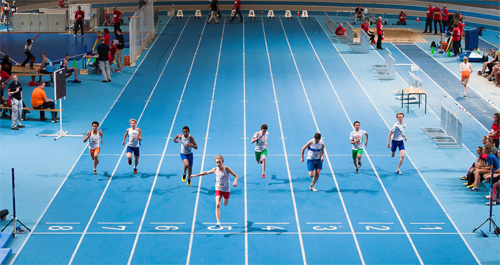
[298,13]
[418,20]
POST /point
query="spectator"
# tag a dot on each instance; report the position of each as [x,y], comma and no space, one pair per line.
[117,19]
[480,171]
[112,53]
[16,98]
[437,20]
[365,26]
[46,67]
[61,4]
[340,30]
[402,18]
[119,49]
[214,7]
[6,64]
[27,50]
[39,100]
[3,214]
[107,19]
[479,163]
[4,78]
[380,33]
[490,64]
[70,70]
[13,8]
[236,8]
[141,4]
[358,13]
[79,20]
[428,20]
[103,51]
[461,25]
[494,71]
[6,11]
[456,40]
[444,17]
[105,36]
[495,129]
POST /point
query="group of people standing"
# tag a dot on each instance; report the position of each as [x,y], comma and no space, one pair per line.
[439,16]
[80,20]
[215,11]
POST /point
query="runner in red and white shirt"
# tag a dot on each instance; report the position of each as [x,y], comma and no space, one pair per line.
[117,18]
[79,18]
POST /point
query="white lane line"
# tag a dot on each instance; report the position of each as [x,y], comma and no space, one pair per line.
[111,177]
[167,223]
[284,149]
[226,223]
[367,154]
[245,148]
[115,223]
[271,223]
[409,158]
[360,253]
[323,223]
[62,223]
[427,223]
[205,147]
[375,223]
[84,149]
[132,252]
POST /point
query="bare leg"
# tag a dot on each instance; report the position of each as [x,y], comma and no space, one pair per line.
[186,165]
[129,158]
[96,161]
[263,164]
[392,154]
[136,161]
[316,176]
[217,208]
[401,158]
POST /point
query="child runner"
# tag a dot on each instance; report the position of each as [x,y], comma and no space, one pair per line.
[187,143]
[315,157]
[357,137]
[261,148]
[398,135]
[222,187]
[465,69]
[134,135]
[94,136]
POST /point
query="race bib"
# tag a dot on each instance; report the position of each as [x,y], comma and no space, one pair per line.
[220,184]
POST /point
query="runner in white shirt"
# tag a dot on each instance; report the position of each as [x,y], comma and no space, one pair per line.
[357,137]
[94,136]
[465,70]
[134,136]
[261,147]
[398,135]
[222,185]
[187,143]
[315,157]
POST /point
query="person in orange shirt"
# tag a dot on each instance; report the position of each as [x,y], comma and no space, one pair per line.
[39,100]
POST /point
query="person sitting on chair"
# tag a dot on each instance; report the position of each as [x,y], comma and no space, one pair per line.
[365,26]
[39,100]
[70,70]
[46,67]
[340,30]
[358,13]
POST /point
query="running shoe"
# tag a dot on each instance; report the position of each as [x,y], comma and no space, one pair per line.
[217,225]
[463,178]
[130,161]
[184,177]
[263,175]
[487,197]
[357,170]
[399,172]
[470,186]
[95,172]
[473,189]
[359,163]
[135,170]
[492,203]
[189,181]
[313,189]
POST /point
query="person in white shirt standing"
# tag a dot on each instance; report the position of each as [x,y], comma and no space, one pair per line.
[398,135]
[465,70]
[357,137]
[261,147]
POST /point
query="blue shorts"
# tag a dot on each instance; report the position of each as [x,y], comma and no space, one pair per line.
[396,144]
[189,158]
[134,150]
[313,164]
[70,71]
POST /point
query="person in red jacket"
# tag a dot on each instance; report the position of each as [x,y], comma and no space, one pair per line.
[428,20]
[236,8]
[402,18]
[437,20]
[444,17]
[456,40]
[117,18]
[79,16]
[340,30]
[461,26]
[380,33]
[365,26]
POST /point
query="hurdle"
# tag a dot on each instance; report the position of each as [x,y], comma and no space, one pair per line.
[390,72]
[363,46]
[349,32]
[449,134]
[380,67]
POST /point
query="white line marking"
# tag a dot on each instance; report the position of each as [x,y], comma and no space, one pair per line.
[245,147]
[84,149]
[112,174]
[205,147]
[304,260]
[427,223]
[374,223]
[211,223]
[62,223]
[115,223]
[323,223]
[367,155]
[409,158]
[253,233]
[166,142]
[271,223]
[167,223]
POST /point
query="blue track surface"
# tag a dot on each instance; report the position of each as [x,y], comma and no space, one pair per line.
[224,81]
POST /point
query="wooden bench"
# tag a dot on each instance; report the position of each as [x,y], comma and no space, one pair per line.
[31,74]
[51,110]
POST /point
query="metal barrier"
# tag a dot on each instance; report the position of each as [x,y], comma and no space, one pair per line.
[449,135]
[349,31]
[363,46]
[390,72]
[142,30]
[380,67]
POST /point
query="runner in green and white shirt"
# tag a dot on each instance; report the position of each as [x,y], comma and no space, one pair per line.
[357,138]
[261,148]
